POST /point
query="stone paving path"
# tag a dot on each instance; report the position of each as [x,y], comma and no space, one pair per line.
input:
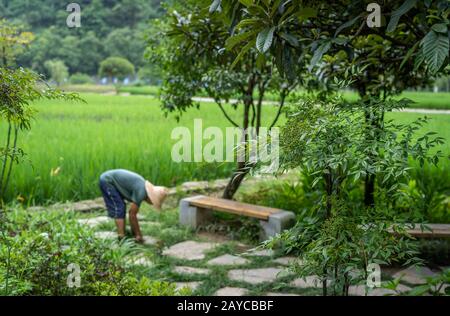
[255,276]
[231,291]
[240,267]
[228,260]
[189,250]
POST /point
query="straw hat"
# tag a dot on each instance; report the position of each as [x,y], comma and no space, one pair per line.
[156,194]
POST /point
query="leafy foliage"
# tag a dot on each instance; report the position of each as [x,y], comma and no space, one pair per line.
[18,89]
[197,54]
[58,71]
[12,42]
[106,26]
[327,138]
[37,248]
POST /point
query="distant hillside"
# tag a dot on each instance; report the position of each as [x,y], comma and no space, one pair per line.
[108,28]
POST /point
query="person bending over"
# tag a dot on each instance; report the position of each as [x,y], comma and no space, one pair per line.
[122,185]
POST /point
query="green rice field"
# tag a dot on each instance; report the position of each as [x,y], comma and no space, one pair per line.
[71,144]
[423,100]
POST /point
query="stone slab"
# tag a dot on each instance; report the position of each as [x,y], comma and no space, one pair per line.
[414,275]
[150,241]
[228,260]
[312,281]
[280,294]
[254,276]
[259,252]
[190,270]
[287,261]
[189,250]
[360,290]
[231,291]
[94,221]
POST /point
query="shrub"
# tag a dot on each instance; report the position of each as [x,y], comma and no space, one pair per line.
[58,71]
[36,250]
[116,67]
[328,139]
[79,78]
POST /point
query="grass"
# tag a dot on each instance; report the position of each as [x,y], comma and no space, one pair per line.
[423,100]
[71,144]
[146,90]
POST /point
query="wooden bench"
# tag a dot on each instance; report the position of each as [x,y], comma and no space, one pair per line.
[437,231]
[196,211]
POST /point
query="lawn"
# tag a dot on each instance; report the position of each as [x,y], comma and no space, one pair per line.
[71,144]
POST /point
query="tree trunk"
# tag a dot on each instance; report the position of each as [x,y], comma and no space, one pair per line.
[235,181]
[369,191]
[369,181]
[241,171]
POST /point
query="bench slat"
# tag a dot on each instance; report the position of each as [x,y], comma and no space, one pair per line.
[234,207]
[437,231]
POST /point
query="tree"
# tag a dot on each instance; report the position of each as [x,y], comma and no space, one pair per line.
[82,49]
[18,89]
[191,48]
[405,53]
[116,67]
[58,71]
[126,43]
[12,42]
[91,51]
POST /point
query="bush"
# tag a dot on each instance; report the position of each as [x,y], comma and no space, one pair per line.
[116,67]
[58,71]
[80,78]
[36,250]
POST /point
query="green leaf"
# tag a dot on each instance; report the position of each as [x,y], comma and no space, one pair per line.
[419,290]
[346,25]
[318,53]
[242,53]
[409,54]
[291,39]
[265,39]
[235,40]
[306,13]
[440,28]
[397,14]
[215,6]
[246,3]
[419,60]
[435,47]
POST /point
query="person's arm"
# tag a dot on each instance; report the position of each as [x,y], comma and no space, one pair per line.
[134,209]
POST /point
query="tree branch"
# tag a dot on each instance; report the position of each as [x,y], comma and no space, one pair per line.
[280,108]
[16,132]
[226,114]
